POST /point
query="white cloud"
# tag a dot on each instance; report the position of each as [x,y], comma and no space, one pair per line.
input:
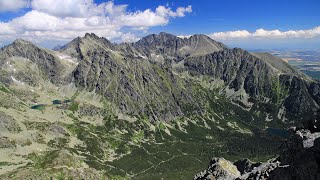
[166,11]
[13,5]
[149,18]
[184,36]
[181,11]
[33,21]
[114,10]
[266,34]
[67,8]
[146,18]
[230,34]
[67,19]
[6,29]
[129,37]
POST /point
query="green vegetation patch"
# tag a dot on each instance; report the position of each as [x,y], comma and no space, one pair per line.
[43,160]
[5,163]
[4,89]
[74,106]
[41,126]
[58,143]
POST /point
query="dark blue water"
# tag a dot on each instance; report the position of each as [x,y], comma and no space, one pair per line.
[66,101]
[278,132]
[60,102]
[39,106]
[56,102]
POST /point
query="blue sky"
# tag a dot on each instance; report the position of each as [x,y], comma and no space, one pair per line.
[224,15]
[243,23]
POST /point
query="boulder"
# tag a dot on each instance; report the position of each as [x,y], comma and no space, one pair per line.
[219,168]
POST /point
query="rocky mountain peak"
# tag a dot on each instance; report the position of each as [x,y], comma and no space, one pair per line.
[91,35]
[171,46]
[209,45]
[81,45]
[157,39]
[22,42]
[19,47]
[164,35]
[49,65]
[18,44]
[91,38]
[200,36]
[57,47]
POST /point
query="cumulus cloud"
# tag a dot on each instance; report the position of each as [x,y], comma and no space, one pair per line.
[149,18]
[266,34]
[67,19]
[180,12]
[68,8]
[13,5]
[6,29]
[230,34]
[129,37]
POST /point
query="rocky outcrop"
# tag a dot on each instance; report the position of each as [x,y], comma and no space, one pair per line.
[245,165]
[299,159]
[301,156]
[219,169]
[90,110]
[8,123]
[262,171]
[6,142]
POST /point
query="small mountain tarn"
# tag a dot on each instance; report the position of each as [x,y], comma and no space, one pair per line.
[146,110]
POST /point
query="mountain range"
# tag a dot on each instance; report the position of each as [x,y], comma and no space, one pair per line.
[102,107]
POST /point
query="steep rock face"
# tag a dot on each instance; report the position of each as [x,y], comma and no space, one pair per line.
[136,86]
[236,67]
[241,70]
[314,90]
[299,159]
[301,156]
[299,103]
[48,64]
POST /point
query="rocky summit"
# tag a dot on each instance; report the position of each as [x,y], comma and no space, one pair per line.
[157,108]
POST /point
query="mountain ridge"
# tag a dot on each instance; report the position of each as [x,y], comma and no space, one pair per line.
[101,107]
[159,55]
